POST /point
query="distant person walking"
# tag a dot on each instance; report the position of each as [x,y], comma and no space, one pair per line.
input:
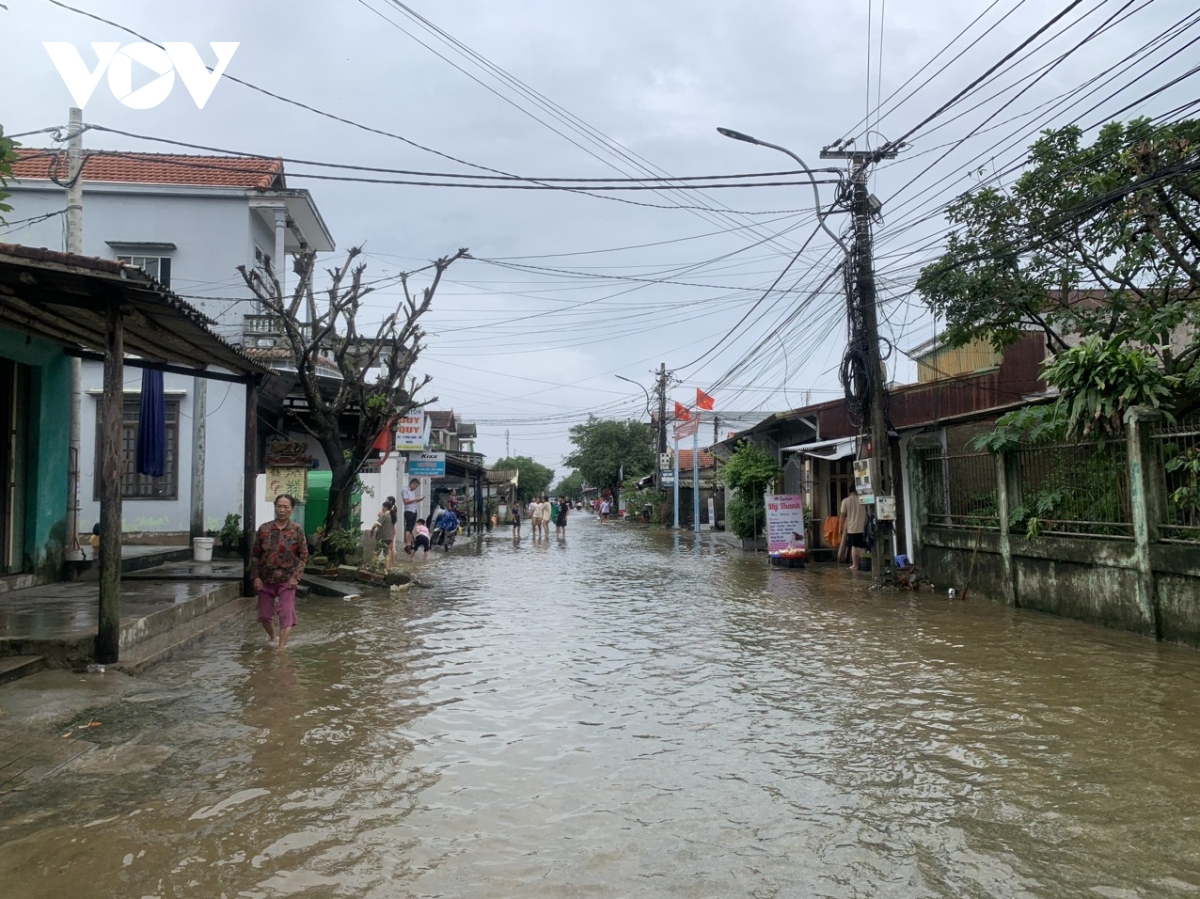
[547,516]
[516,518]
[561,520]
[853,515]
[412,505]
[605,509]
[277,561]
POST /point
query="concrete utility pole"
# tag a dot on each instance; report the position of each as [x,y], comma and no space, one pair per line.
[864,206]
[662,424]
[199,447]
[72,551]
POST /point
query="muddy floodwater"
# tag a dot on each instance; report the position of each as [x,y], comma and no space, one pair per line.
[627,714]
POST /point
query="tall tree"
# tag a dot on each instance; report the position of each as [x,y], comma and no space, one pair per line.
[373,384]
[570,486]
[533,478]
[604,446]
[8,156]
[1099,240]
[749,472]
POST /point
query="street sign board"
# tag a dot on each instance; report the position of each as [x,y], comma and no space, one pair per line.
[666,477]
[426,465]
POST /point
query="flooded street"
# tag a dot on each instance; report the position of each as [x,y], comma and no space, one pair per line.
[623,714]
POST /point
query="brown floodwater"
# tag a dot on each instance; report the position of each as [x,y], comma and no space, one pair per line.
[630,714]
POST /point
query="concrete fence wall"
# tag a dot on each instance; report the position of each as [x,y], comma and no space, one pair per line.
[1141,583]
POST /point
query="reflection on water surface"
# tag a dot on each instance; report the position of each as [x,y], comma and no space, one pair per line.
[622,715]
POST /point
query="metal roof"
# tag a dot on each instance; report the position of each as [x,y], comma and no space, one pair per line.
[64,298]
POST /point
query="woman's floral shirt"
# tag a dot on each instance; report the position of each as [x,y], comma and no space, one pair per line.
[279,554]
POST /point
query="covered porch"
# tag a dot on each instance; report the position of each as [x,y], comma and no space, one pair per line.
[69,306]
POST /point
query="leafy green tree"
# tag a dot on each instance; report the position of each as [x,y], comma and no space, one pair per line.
[570,486]
[1100,240]
[749,472]
[602,446]
[534,478]
[8,156]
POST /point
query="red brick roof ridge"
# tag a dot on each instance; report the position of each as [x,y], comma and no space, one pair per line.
[130,167]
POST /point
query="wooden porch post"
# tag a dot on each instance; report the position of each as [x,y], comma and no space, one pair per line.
[249,483]
[112,415]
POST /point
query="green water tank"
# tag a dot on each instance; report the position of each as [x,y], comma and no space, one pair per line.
[317,506]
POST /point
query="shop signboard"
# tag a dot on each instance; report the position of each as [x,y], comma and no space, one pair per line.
[785,522]
[411,432]
[426,465]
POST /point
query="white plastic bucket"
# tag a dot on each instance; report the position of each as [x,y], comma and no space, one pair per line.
[202,548]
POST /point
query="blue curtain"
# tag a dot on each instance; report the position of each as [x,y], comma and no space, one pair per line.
[152,426]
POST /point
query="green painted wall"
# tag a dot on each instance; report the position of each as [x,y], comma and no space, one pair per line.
[47,446]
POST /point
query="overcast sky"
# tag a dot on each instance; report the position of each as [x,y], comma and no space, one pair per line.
[635,90]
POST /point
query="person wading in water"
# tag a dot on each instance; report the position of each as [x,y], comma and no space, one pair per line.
[277,561]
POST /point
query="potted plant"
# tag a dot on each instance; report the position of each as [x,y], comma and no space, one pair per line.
[341,543]
[231,531]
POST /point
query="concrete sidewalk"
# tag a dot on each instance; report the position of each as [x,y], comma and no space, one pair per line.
[161,608]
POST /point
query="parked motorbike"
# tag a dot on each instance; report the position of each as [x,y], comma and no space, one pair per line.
[445,529]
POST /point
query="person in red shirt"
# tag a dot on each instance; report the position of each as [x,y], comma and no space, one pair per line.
[277,561]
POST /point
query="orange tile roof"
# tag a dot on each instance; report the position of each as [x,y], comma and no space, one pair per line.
[685,459]
[249,172]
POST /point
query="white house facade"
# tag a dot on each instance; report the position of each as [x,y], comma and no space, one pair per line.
[188,221]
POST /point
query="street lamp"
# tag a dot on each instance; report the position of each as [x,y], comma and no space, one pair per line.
[737,135]
[865,289]
[649,416]
[644,390]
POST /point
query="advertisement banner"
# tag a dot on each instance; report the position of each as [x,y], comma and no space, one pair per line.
[686,429]
[410,432]
[427,465]
[785,522]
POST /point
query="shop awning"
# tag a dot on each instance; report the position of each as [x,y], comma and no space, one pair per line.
[837,448]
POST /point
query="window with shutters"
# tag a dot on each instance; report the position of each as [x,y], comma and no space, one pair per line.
[140,486]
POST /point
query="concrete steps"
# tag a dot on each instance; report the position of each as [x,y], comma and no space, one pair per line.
[139,656]
[16,667]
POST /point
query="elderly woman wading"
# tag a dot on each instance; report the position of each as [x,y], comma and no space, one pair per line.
[277,560]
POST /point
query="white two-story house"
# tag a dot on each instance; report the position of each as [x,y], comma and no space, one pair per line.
[188,221]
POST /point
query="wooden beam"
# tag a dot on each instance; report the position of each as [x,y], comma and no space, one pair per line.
[249,484]
[163,367]
[108,634]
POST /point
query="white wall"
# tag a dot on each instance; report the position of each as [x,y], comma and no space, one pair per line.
[212,231]
[224,465]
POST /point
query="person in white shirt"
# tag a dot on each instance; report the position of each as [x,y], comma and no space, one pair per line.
[412,505]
